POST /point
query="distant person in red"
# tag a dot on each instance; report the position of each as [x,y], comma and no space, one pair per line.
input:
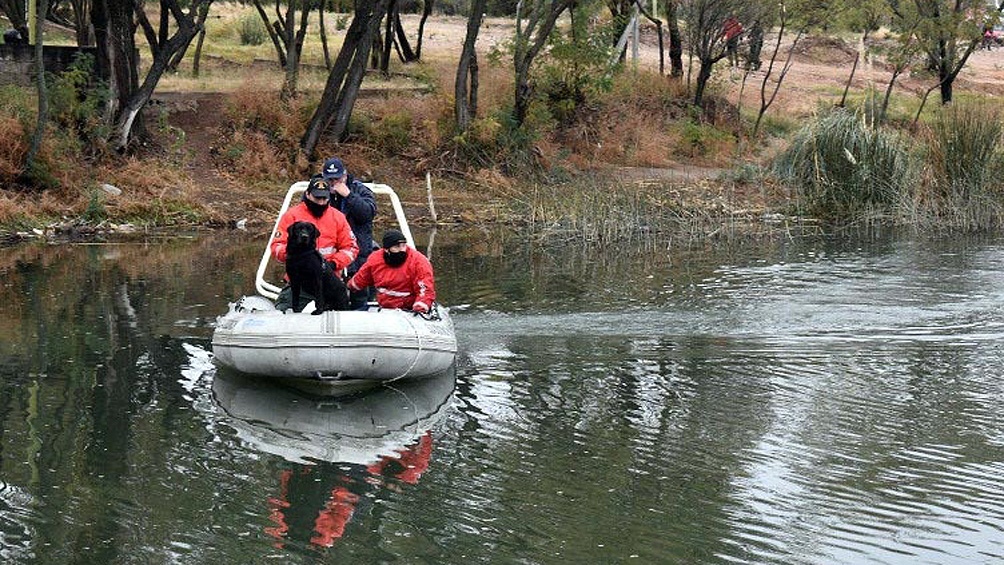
[401,274]
[732,30]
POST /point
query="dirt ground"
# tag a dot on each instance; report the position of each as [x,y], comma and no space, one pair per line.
[817,78]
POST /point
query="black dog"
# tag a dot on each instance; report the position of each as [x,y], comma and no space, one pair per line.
[310,273]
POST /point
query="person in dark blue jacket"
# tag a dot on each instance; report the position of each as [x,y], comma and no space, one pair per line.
[356,201]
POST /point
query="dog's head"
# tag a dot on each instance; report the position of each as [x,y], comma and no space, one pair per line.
[303,235]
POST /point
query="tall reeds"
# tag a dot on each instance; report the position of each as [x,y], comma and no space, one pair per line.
[966,165]
[841,168]
[601,210]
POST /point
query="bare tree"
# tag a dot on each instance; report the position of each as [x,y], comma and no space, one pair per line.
[541,17]
[765,100]
[465,89]
[115,25]
[342,87]
[276,42]
[706,39]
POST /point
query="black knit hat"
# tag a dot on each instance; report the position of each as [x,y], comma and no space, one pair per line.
[392,238]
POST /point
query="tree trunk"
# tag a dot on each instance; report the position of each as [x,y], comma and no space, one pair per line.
[346,74]
[128,121]
[426,12]
[294,45]
[947,80]
[388,38]
[658,27]
[289,41]
[854,68]
[528,46]
[82,22]
[148,31]
[703,75]
[465,93]
[280,54]
[116,52]
[403,46]
[324,36]
[198,51]
[43,94]
[675,41]
[200,23]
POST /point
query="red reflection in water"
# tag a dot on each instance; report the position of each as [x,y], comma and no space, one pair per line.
[297,488]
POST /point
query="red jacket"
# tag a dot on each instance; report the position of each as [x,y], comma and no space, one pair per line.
[336,243]
[732,28]
[398,287]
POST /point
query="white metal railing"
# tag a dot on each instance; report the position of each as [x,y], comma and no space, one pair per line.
[270,290]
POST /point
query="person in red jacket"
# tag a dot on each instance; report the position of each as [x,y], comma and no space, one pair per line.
[732,29]
[402,275]
[337,244]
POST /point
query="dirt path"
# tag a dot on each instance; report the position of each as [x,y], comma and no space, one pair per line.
[199,115]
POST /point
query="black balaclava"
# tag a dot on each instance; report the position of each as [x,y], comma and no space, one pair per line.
[391,238]
[395,259]
[316,210]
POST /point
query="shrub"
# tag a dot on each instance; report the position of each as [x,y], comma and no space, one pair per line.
[251,29]
[77,103]
[577,67]
[839,167]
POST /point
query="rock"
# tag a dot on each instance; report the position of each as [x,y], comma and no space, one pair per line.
[111,189]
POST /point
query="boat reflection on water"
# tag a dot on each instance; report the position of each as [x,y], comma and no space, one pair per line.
[339,451]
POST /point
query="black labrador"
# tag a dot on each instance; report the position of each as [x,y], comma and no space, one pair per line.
[309,272]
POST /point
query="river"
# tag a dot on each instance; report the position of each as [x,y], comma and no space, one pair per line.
[789,400]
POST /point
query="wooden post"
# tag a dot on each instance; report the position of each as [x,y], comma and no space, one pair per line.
[432,204]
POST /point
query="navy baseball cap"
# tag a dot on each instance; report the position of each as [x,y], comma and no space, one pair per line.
[333,169]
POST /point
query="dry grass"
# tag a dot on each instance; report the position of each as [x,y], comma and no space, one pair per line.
[153,192]
[13,148]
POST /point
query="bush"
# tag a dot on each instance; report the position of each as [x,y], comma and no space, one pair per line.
[77,103]
[840,167]
[251,29]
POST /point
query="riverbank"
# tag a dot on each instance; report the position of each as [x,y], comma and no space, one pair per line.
[222,147]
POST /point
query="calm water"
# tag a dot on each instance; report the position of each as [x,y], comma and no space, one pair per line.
[793,401]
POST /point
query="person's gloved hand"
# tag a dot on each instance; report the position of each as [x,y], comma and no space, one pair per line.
[420,308]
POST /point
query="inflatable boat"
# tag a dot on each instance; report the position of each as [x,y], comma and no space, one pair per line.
[376,344]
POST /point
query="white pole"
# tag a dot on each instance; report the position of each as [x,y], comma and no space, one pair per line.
[634,42]
[31,21]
